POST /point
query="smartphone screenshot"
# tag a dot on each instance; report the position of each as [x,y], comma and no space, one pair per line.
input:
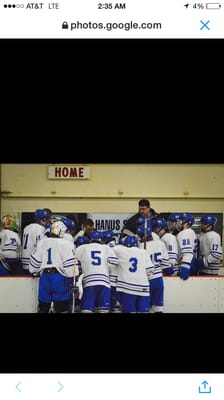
[202,386]
[142,19]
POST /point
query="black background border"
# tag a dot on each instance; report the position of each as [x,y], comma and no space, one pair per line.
[112,81]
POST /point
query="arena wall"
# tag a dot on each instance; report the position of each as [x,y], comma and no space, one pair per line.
[196,295]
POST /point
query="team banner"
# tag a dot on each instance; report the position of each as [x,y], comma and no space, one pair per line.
[109,221]
[113,221]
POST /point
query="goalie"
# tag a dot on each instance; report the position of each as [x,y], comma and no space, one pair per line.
[54,258]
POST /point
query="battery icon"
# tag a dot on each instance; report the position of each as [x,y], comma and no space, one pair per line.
[213,6]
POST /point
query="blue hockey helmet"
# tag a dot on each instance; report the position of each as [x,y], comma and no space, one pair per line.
[187,218]
[96,236]
[141,230]
[208,219]
[160,223]
[174,217]
[82,240]
[41,215]
[142,220]
[108,236]
[69,223]
[130,241]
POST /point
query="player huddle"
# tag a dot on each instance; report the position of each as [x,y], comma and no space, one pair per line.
[100,271]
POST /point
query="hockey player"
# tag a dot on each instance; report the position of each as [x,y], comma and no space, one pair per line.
[172,223]
[144,210]
[54,259]
[50,221]
[95,258]
[133,272]
[160,227]
[31,235]
[110,238]
[70,231]
[210,249]
[160,259]
[187,246]
[10,247]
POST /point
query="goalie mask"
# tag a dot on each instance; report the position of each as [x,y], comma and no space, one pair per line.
[9,222]
[58,229]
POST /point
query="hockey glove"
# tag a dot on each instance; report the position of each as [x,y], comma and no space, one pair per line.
[168,271]
[184,273]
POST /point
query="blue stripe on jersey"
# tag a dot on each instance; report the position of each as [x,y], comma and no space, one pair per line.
[112,260]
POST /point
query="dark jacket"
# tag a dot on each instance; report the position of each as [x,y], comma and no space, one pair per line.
[132,223]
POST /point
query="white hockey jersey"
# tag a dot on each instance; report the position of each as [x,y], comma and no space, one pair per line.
[10,244]
[211,250]
[95,259]
[112,270]
[69,237]
[31,235]
[133,270]
[159,256]
[187,247]
[56,253]
[171,244]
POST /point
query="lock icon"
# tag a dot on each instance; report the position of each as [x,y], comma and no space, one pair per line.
[65,25]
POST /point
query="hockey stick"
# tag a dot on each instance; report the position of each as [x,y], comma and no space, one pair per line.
[74,287]
[145,232]
[128,233]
